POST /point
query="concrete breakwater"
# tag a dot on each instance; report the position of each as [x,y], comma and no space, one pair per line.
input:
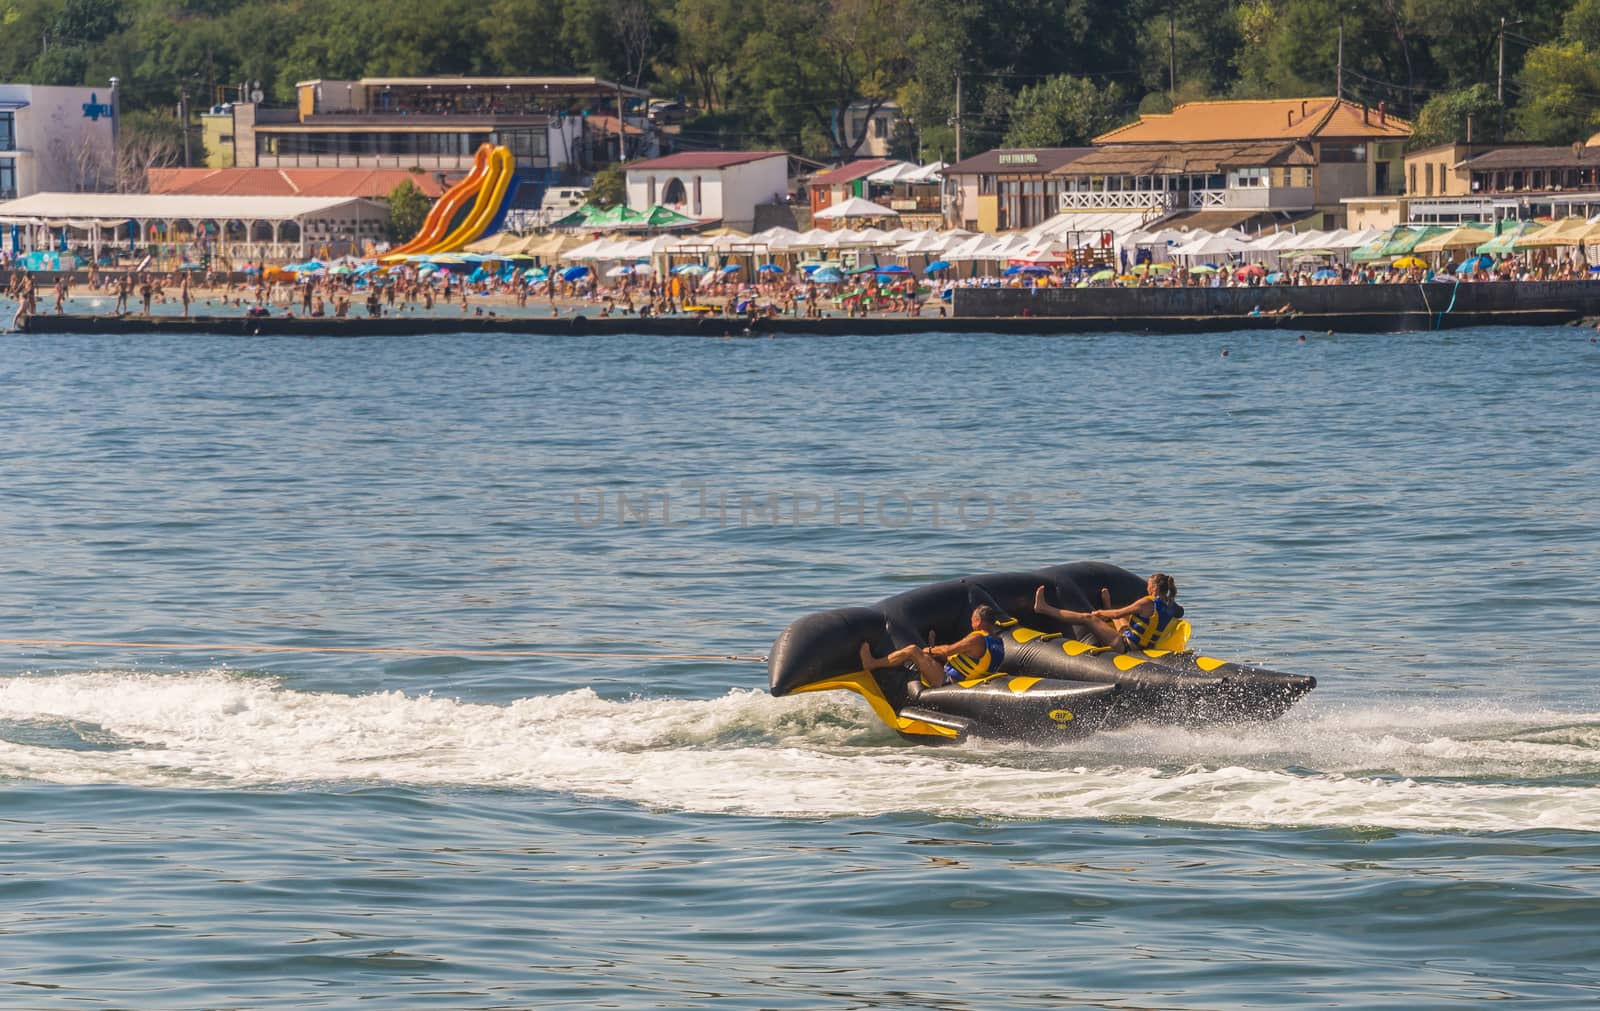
[839,326]
[1421,306]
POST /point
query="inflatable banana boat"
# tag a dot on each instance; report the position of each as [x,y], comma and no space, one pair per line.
[1053,682]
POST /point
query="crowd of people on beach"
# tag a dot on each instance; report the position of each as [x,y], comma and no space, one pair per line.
[735,290]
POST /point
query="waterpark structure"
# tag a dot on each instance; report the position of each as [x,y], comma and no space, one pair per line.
[485,195]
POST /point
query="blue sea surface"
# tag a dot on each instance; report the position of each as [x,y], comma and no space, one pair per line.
[188,820]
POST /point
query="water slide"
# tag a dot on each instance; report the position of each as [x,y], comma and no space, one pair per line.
[437,223]
[486,208]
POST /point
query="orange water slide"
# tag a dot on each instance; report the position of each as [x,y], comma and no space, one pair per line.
[502,168]
[437,223]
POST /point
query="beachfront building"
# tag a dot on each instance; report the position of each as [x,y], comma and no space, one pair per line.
[1456,183]
[200,229]
[835,186]
[1228,164]
[725,186]
[557,128]
[1008,188]
[56,139]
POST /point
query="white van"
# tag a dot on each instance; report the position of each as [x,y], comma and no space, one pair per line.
[559,201]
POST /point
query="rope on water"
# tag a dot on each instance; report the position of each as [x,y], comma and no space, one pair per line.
[397,650]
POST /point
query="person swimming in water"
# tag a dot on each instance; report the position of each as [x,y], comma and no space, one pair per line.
[1139,625]
[978,653]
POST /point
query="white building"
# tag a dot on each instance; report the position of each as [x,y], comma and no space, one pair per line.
[56,139]
[724,186]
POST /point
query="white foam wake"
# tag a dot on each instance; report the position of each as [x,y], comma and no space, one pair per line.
[746,753]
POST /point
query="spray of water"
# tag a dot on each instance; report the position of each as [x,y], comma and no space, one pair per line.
[1447,767]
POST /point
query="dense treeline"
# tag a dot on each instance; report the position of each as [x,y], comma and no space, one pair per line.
[782,72]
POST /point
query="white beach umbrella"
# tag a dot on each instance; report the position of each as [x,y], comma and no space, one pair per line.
[855,207]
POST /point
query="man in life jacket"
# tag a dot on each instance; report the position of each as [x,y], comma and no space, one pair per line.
[1139,625]
[977,654]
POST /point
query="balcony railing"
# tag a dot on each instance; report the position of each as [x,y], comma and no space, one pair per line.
[1116,200]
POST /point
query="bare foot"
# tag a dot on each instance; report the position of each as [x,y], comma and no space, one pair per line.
[1038,599]
[867,659]
[1105,598]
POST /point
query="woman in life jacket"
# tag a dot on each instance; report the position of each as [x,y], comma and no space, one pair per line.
[977,654]
[1139,625]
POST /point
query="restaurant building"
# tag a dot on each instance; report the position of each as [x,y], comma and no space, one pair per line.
[1008,188]
[1244,163]
[1457,182]
[557,128]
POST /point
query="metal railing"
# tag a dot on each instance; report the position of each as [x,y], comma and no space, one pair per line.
[1116,200]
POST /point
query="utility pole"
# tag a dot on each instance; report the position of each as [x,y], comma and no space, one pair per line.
[1172,55]
[183,122]
[958,115]
[1338,83]
[1500,83]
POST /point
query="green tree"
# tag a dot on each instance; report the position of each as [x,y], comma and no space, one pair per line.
[1063,111]
[1444,118]
[408,208]
[1560,87]
[610,186]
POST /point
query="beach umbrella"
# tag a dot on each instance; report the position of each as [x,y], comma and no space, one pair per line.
[732,268]
[1324,275]
[1103,275]
[1410,263]
[1251,270]
[893,268]
[1472,263]
[622,271]
[690,269]
[769,268]
[827,275]
[573,273]
[936,265]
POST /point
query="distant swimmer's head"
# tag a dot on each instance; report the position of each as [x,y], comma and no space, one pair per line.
[984,617]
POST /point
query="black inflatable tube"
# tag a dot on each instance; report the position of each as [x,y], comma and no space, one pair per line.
[1051,676]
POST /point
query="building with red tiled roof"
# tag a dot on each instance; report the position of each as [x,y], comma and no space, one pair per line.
[1308,119]
[848,180]
[265,182]
[724,186]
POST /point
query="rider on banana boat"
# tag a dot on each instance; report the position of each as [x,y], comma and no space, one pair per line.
[1139,625]
[978,653]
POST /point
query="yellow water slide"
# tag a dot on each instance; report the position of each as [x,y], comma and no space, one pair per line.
[502,168]
[437,223]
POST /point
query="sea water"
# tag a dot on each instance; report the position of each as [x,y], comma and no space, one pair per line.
[1411,518]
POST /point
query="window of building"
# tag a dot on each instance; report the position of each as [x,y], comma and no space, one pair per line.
[1249,178]
[1427,179]
[674,193]
[1344,153]
[8,179]
[880,128]
[1411,179]
[8,131]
